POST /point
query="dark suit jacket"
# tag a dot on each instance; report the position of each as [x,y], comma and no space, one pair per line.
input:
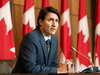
[33,54]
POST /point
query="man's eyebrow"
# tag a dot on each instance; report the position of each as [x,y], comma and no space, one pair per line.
[55,19]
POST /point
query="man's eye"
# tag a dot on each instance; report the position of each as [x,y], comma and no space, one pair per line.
[50,19]
[57,20]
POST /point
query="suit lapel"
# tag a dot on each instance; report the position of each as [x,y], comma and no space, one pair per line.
[43,44]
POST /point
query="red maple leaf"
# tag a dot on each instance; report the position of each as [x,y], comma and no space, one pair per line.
[6,42]
[98,47]
[66,41]
[84,48]
[26,28]
[3,2]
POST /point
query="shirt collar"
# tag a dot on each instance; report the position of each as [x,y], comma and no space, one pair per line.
[46,37]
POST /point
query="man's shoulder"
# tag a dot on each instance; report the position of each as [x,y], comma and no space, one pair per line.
[34,34]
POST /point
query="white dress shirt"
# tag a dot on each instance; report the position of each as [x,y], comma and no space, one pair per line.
[46,38]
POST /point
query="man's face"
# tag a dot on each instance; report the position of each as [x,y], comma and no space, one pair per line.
[50,24]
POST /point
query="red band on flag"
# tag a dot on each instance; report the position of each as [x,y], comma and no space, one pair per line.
[45,3]
[28,4]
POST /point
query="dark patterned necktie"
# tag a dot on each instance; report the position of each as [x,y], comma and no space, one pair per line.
[48,44]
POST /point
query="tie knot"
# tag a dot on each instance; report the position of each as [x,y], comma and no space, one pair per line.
[48,42]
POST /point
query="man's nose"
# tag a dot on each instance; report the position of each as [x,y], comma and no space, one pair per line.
[54,23]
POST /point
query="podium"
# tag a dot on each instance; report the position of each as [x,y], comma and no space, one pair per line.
[58,74]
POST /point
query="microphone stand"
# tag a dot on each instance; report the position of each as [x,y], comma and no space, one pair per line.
[92,69]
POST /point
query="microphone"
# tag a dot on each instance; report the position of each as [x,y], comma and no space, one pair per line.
[92,69]
[83,55]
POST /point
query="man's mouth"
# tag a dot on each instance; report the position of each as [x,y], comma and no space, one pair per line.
[53,29]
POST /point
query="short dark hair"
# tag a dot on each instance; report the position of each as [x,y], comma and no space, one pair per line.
[44,11]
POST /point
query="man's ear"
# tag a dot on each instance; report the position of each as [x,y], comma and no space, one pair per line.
[40,21]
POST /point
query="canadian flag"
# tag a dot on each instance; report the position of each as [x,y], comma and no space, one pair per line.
[7,47]
[45,3]
[28,17]
[97,28]
[66,52]
[83,45]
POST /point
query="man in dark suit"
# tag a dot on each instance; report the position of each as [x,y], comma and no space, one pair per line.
[35,55]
